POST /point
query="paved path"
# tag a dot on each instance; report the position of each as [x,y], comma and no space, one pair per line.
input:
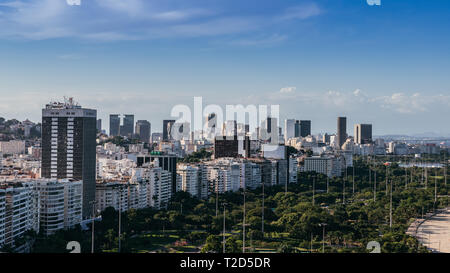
[434,233]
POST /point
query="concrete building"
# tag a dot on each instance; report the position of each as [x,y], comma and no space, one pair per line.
[328,165]
[143,130]
[20,210]
[69,146]
[289,129]
[341,131]
[167,128]
[189,179]
[363,133]
[114,125]
[127,129]
[305,128]
[60,204]
[12,147]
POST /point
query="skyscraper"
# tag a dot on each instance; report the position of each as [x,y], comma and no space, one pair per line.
[143,128]
[99,125]
[297,128]
[269,129]
[341,131]
[167,126]
[305,128]
[68,146]
[363,133]
[127,129]
[289,129]
[114,125]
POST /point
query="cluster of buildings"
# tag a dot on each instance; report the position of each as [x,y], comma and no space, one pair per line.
[60,180]
[41,205]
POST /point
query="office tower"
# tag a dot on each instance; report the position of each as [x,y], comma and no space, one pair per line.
[229,128]
[211,125]
[68,146]
[289,129]
[127,129]
[363,133]
[143,129]
[114,125]
[305,128]
[297,128]
[341,131]
[167,127]
[224,147]
[269,129]
[99,125]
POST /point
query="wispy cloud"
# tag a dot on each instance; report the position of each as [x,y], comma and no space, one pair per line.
[401,103]
[107,20]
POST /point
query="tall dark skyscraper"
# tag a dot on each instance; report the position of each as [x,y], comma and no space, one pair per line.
[297,128]
[114,125]
[143,129]
[363,133]
[99,125]
[68,146]
[341,131]
[305,128]
[167,126]
[127,129]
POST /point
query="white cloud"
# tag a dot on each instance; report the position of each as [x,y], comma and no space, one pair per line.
[107,20]
[301,12]
[290,89]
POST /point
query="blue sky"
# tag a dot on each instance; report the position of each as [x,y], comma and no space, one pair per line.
[387,65]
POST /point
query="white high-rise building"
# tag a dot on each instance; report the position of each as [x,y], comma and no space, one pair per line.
[111,194]
[189,179]
[328,165]
[2,216]
[160,187]
[60,204]
[20,211]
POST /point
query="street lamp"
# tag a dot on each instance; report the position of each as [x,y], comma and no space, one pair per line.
[93,220]
[223,233]
[323,225]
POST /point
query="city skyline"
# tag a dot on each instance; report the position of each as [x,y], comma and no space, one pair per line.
[316,59]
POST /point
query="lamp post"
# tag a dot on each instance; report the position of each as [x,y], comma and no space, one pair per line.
[120,220]
[93,225]
[223,232]
[314,190]
[323,225]
[243,226]
[353,178]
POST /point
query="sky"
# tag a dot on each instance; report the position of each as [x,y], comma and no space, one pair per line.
[387,65]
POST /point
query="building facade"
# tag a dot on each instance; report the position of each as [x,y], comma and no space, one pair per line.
[69,146]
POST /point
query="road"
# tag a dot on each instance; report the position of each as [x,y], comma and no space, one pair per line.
[434,233]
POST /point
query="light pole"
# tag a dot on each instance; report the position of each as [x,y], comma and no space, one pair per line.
[243,226]
[217,198]
[375,187]
[390,209]
[262,213]
[353,178]
[314,190]
[93,220]
[120,220]
[343,191]
[435,188]
[223,233]
[323,225]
